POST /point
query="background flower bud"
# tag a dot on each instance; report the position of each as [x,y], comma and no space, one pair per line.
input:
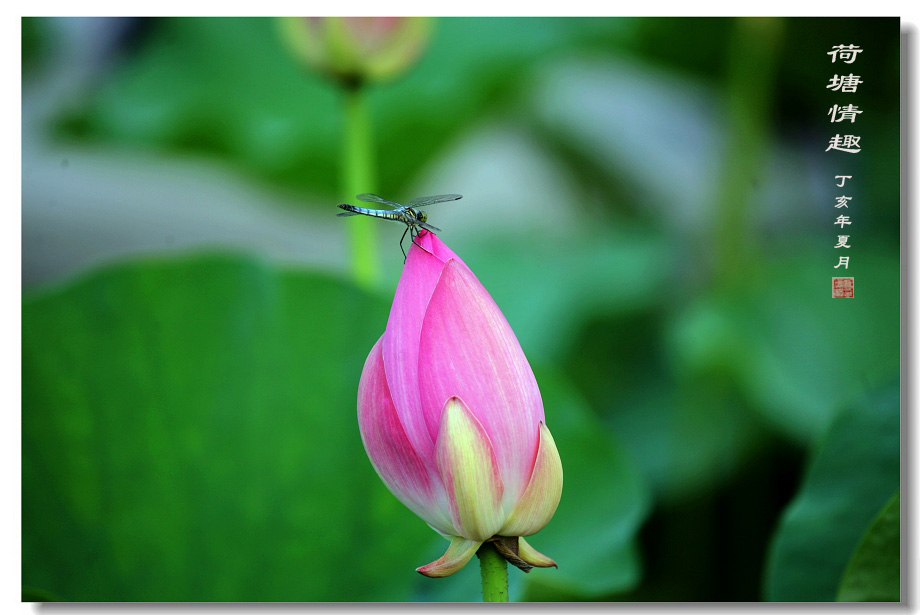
[451,415]
[357,49]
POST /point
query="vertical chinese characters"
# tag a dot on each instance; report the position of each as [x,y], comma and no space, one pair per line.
[849,144]
[844,84]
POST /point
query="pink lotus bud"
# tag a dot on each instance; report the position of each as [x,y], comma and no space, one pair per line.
[357,49]
[452,418]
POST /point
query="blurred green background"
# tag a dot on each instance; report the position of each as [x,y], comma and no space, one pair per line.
[648,201]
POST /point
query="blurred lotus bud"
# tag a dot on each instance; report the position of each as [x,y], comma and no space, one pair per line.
[353,50]
[452,418]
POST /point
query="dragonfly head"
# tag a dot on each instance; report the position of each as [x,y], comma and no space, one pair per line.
[421,216]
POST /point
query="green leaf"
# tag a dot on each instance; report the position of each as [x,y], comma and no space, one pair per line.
[805,353]
[35,594]
[189,433]
[229,88]
[34,42]
[853,474]
[874,572]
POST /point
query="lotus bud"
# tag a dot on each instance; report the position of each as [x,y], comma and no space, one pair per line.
[451,415]
[353,50]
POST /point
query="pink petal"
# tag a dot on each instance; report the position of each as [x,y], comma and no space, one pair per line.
[467,349]
[414,483]
[466,463]
[401,340]
[431,243]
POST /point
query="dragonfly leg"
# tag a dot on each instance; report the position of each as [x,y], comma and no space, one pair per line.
[414,235]
[401,244]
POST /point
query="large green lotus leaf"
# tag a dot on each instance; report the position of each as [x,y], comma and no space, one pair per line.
[592,535]
[874,572]
[189,433]
[804,353]
[228,87]
[850,478]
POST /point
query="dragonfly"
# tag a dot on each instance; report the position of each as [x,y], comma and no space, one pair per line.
[408,214]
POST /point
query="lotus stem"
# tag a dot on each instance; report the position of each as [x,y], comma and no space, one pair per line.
[494,570]
[358,177]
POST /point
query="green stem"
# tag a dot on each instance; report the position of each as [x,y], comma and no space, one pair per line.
[754,51]
[494,570]
[358,177]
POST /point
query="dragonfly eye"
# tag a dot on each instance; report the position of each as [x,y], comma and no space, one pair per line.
[422,216]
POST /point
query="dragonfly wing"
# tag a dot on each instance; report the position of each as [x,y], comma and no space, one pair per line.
[422,201]
[428,227]
[373,198]
[346,214]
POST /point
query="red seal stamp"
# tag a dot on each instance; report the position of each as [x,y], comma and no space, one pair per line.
[842,288]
